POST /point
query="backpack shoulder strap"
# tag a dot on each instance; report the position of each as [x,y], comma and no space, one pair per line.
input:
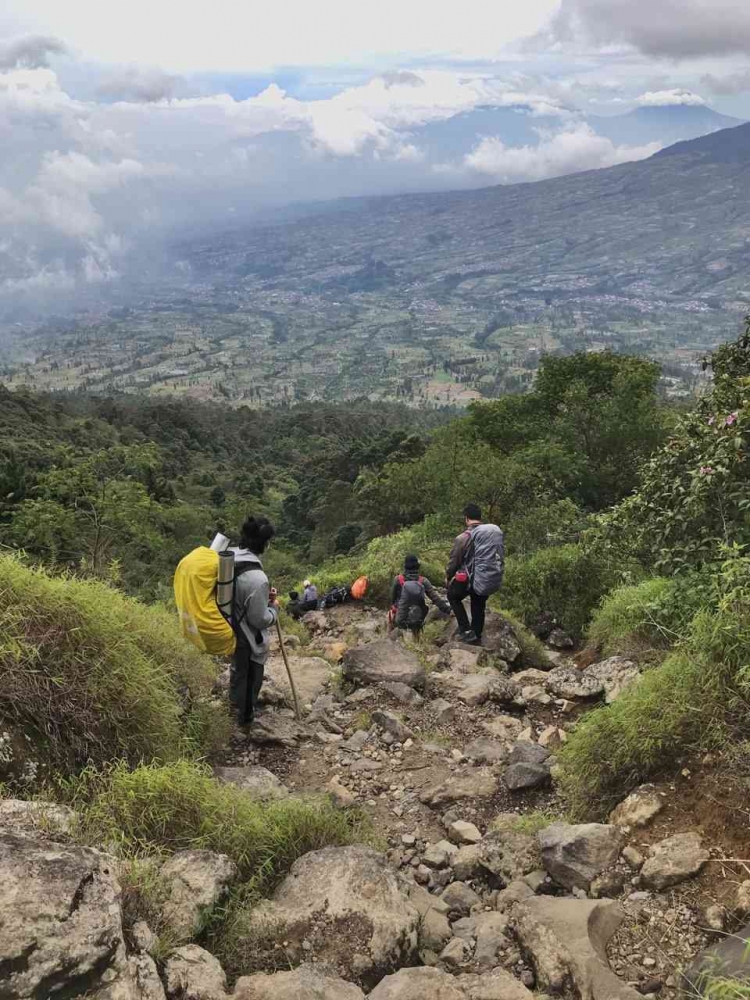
[401,579]
[421,581]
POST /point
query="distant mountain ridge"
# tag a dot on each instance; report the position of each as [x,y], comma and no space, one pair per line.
[520,125]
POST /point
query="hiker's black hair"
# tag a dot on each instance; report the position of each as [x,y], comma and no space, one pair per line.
[257,532]
[411,563]
[473,512]
[293,595]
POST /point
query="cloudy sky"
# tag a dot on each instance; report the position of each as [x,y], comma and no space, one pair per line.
[121,123]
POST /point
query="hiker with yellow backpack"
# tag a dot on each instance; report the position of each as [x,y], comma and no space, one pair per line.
[230,611]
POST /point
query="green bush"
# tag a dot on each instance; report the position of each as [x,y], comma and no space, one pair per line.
[648,617]
[384,558]
[567,581]
[88,675]
[180,806]
[694,702]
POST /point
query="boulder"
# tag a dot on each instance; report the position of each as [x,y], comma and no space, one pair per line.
[465,863]
[46,818]
[196,881]
[456,953]
[461,659]
[526,752]
[439,855]
[142,979]
[506,691]
[274,727]
[311,676]
[418,984]
[558,639]
[674,860]
[304,983]
[531,676]
[334,651]
[442,710]
[566,940]
[504,728]
[341,796]
[486,751]
[60,919]
[425,901]
[569,682]
[499,637]
[728,959]
[382,661]
[434,931]
[391,723]
[459,898]
[403,693]
[513,893]
[461,832]
[347,906]
[454,789]
[575,855]
[192,973]
[615,674]
[519,777]
[495,985]
[258,782]
[474,689]
[141,937]
[506,855]
[639,808]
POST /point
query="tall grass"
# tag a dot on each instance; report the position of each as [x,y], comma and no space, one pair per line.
[87,674]
[697,700]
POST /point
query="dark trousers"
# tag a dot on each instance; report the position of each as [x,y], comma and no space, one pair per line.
[245,682]
[457,594]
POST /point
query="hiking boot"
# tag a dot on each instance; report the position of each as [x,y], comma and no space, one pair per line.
[470,638]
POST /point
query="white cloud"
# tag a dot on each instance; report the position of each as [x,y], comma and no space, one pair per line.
[662,98]
[567,152]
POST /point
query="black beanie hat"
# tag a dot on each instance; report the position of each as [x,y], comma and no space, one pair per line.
[411,563]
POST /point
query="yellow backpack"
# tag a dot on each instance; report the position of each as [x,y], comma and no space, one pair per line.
[195,595]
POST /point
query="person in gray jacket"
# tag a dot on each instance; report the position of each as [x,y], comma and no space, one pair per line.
[255,611]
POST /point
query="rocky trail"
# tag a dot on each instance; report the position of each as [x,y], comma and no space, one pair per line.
[478,890]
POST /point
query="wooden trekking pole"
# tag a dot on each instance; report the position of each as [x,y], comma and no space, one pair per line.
[289,672]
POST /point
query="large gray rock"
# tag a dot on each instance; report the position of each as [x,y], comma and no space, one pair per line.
[418,984]
[434,931]
[486,751]
[143,979]
[311,677]
[192,973]
[519,777]
[382,661]
[454,789]
[45,818]
[304,983]
[615,674]
[674,860]
[460,898]
[391,723]
[474,689]
[505,728]
[570,683]
[507,855]
[60,920]
[495,985]
[526,752]
[639,808]
[197,880]
[258,782]
[566,940]
[728,959]
[499,637]
[575,855]
[348,907]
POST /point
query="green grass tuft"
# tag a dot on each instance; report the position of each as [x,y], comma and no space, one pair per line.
[87,675]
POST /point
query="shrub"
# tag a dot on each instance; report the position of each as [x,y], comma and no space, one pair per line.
[567,581]
[87,675]
[648,617]
[696,701]
[179,806]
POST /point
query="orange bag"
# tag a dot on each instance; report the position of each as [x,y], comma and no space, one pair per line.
[359,588]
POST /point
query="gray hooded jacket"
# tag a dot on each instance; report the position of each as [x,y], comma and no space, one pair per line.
[251,611]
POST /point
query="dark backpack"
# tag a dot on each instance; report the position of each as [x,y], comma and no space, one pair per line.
[412,607]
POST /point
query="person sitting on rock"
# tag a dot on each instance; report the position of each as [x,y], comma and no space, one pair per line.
[408,604]
[294,605]
[310,592]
